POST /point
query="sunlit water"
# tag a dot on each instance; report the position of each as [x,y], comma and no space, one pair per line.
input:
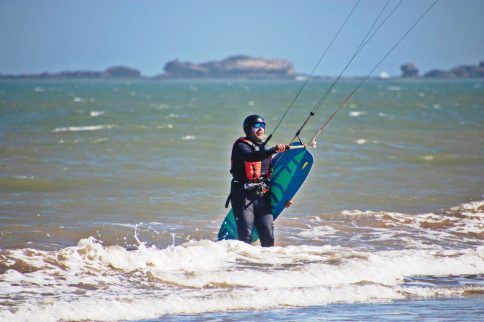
[112,193]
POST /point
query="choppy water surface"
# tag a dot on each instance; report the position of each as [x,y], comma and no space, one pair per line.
[111,195]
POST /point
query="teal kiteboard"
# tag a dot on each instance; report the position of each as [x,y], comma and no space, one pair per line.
[291,169]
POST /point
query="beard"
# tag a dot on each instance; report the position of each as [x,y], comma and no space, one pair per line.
[253,137]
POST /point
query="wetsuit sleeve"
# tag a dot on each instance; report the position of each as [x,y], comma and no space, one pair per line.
[243,152]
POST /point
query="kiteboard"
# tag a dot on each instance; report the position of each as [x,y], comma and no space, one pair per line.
[291,169]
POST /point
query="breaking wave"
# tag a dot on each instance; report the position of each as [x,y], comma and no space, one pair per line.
[95,282]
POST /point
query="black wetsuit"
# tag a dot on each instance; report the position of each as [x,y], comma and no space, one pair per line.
[249,208]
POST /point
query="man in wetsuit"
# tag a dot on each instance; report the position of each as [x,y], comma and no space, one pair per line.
[249,194]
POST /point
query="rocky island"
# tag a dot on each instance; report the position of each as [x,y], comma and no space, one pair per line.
[243,67]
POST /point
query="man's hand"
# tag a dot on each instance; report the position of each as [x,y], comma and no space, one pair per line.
[282,147]
[289,203]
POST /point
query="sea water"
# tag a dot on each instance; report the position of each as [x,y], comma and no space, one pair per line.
[112,194]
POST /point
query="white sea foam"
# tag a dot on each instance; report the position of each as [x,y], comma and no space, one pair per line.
[427,157]
[96,113]
[189,137]
[474,206]
[99,140]
[167,126]
[172,116]
[83,128]
[24,177]
[317,232]
[78,100]
[450,225]
[364,141]
[387,116]
[356,113]
[94,282]
[162,106]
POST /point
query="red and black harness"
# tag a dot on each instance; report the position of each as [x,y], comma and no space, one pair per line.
[254,181]
[252,168]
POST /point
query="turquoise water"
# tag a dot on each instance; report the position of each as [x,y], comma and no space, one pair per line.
[397,184]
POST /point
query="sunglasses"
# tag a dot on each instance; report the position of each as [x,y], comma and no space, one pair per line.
[259,124]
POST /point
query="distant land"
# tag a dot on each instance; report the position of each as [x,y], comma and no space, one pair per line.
[110,73]
[240,67]
[463,71]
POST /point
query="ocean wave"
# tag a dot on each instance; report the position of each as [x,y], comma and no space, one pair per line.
[83,128]
[466,218]
[464,221]
[95,282]
[456,228]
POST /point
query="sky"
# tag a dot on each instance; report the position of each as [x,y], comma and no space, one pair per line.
[58,35]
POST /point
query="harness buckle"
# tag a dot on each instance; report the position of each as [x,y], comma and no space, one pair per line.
[257,189]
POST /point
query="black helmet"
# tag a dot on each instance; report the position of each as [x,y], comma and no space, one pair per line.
[251,120]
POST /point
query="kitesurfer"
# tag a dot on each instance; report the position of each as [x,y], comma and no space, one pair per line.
[251,170]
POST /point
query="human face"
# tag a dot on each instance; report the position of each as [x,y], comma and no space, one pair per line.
[257,131]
